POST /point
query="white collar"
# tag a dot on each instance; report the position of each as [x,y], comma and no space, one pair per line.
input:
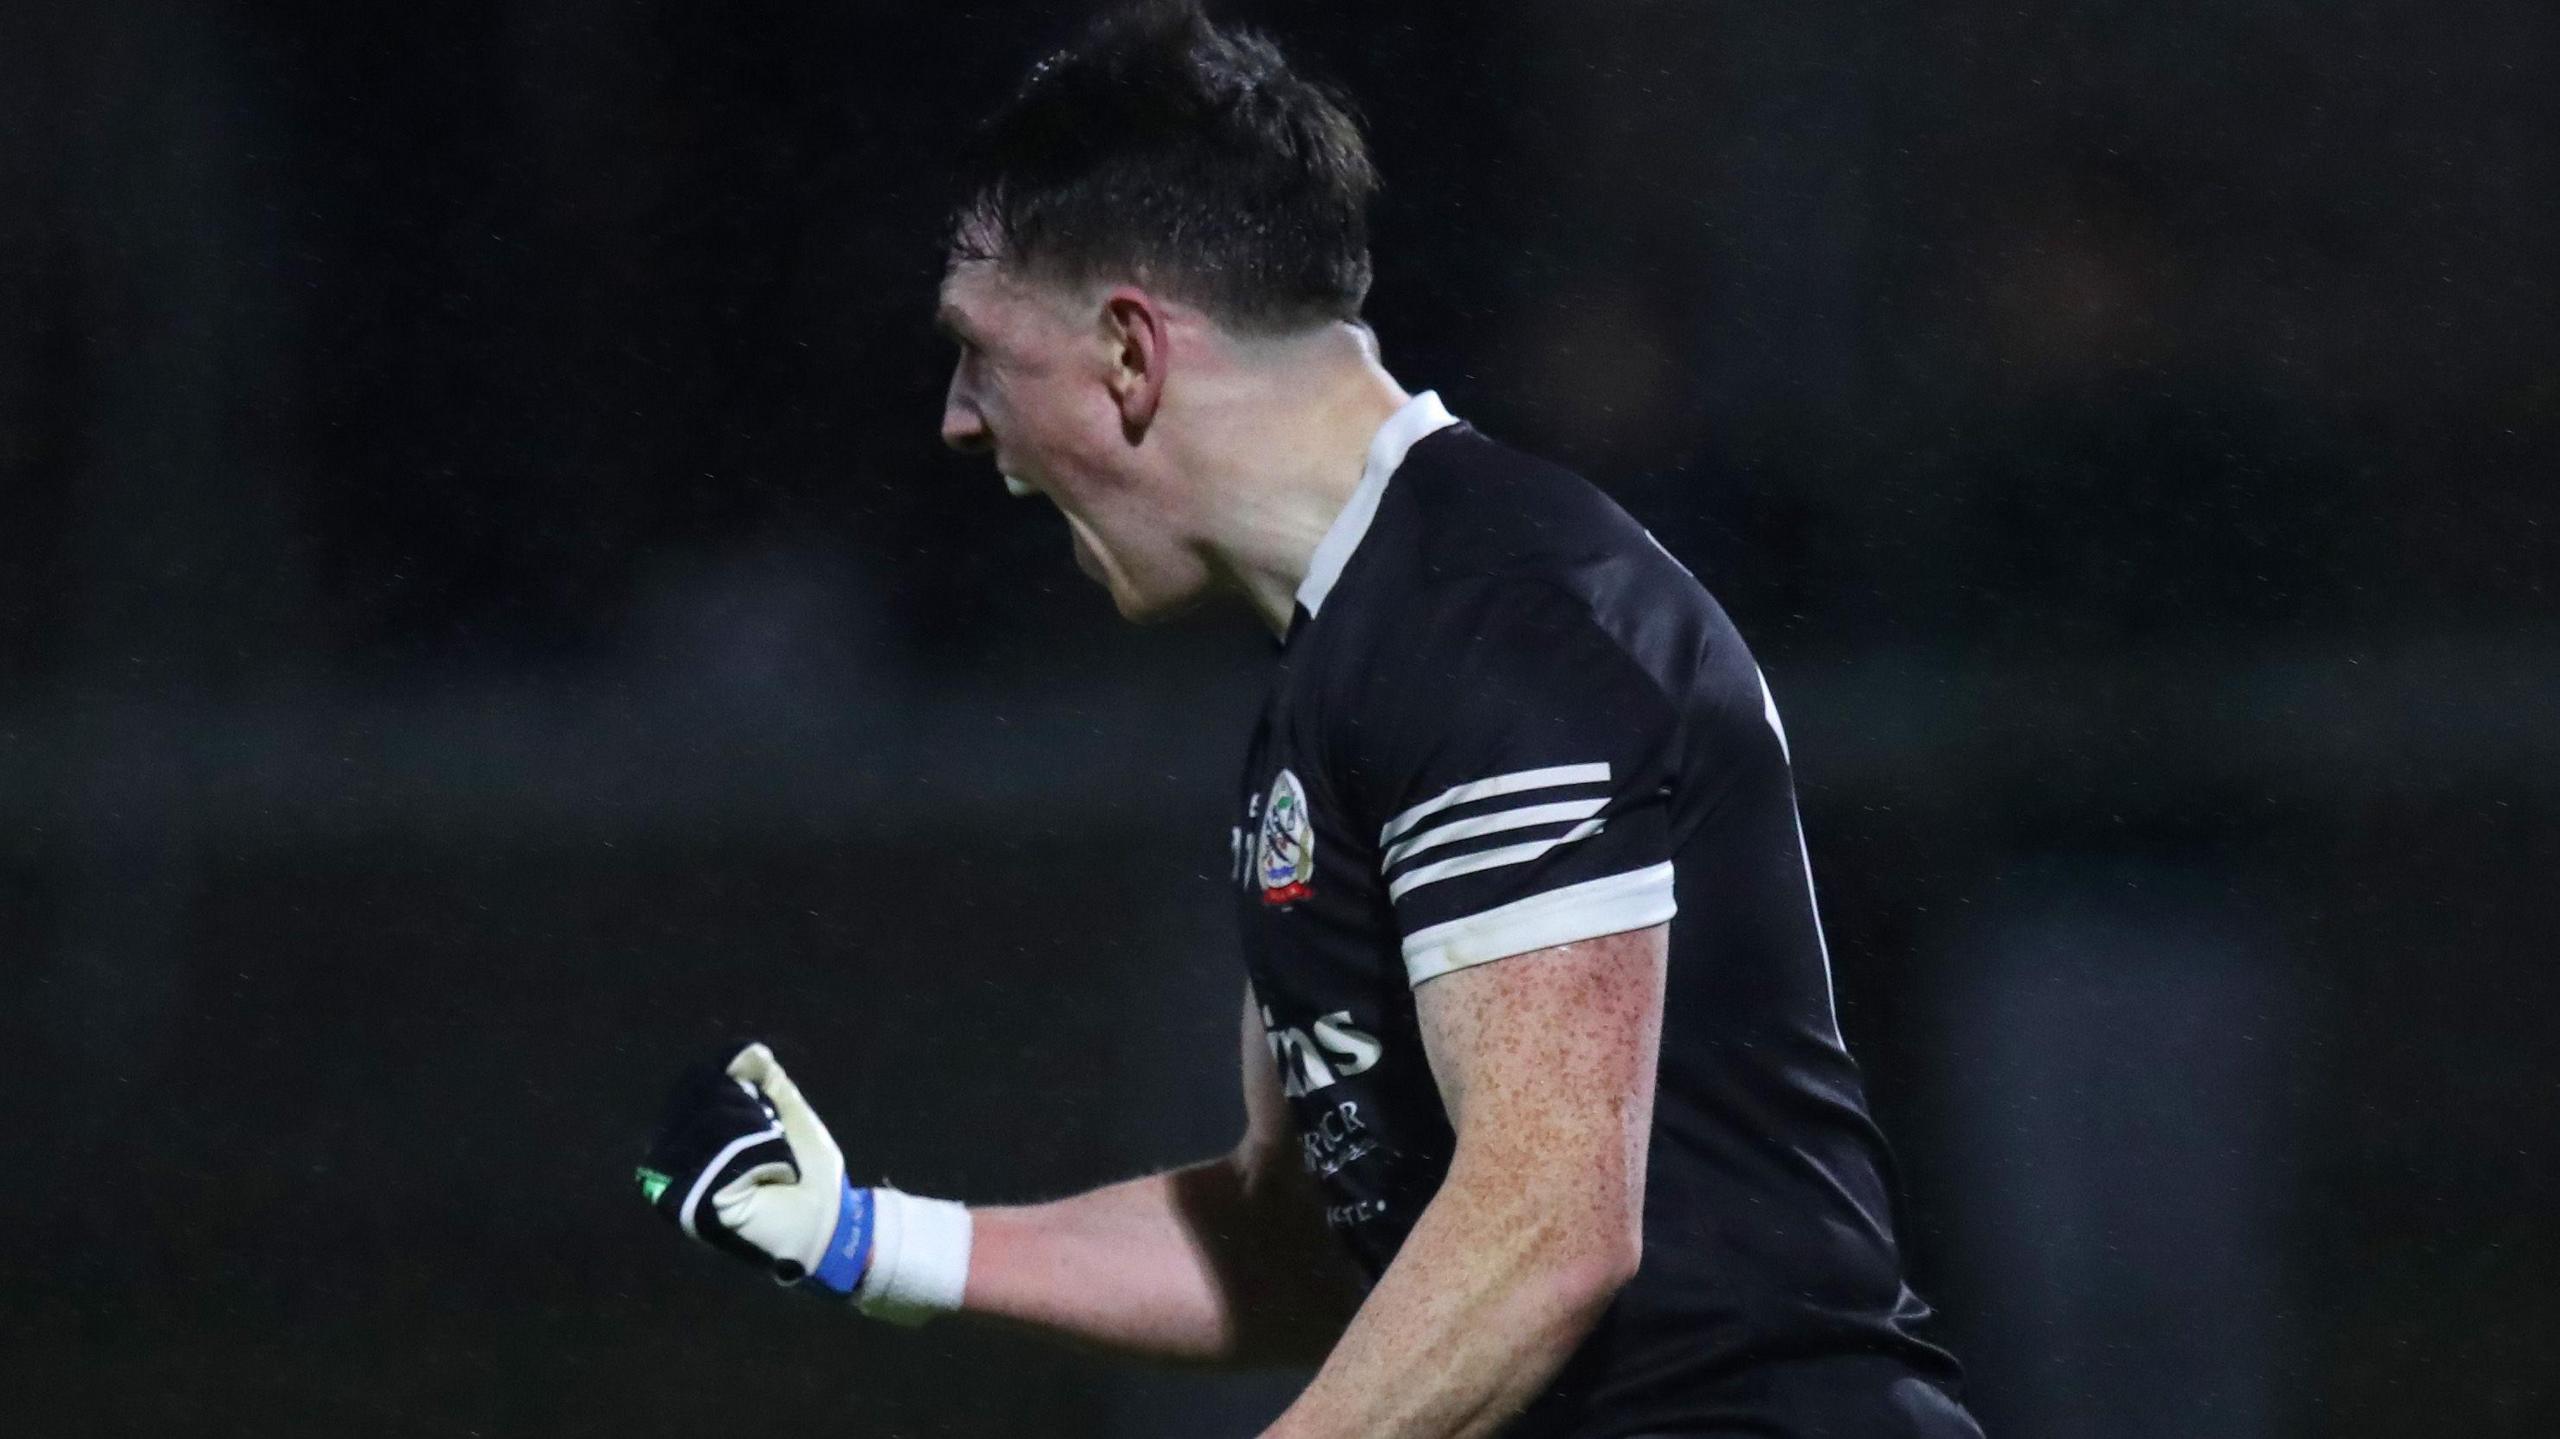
[1416,418]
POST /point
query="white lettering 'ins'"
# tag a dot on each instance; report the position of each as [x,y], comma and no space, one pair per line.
[1339,1050]
[1311,1072]
[1354,1050]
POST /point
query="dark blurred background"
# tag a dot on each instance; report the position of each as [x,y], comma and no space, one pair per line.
[483,614]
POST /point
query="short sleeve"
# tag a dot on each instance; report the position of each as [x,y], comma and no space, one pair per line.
[1521,771]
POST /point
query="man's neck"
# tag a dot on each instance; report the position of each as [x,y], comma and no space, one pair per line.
[1292,440]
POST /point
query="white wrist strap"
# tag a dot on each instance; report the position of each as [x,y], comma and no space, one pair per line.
[919,1258]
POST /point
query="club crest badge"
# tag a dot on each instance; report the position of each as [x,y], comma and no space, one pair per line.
[1285,857]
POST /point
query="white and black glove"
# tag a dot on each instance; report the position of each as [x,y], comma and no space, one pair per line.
[741,1162]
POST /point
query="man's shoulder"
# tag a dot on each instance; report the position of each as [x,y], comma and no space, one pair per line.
[1474,531]
[1490,582]
[1475,508]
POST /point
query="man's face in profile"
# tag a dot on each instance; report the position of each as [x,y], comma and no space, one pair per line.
[1031,389]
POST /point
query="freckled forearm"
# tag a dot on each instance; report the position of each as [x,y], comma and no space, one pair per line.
[1490,1294]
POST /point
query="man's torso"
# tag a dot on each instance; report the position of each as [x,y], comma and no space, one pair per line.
[1513,718]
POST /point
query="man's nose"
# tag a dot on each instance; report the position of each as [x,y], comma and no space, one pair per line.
[963,428]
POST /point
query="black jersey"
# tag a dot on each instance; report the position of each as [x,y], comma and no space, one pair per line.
[1506,719]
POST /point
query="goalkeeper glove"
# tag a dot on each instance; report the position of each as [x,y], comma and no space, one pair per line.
[741,1162]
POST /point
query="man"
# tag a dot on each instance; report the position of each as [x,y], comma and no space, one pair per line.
[1538,1031]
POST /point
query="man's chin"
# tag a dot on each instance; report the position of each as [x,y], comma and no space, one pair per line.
[1150,607]
[1135,605]
[1140,609]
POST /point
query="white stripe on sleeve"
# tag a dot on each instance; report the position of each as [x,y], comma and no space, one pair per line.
[1421,875]
[1552,777]
[1494,823]
[1612,904]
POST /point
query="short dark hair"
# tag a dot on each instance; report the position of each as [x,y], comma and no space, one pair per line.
[1188,156]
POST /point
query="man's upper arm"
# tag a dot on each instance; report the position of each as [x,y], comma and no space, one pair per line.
[1270,1138]
[1546,1063]
[1317,1289]
[1523,783]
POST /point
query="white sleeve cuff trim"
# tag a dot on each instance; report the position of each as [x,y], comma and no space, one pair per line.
[1613,904]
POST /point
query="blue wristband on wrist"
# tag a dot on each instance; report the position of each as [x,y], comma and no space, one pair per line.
[849,1249]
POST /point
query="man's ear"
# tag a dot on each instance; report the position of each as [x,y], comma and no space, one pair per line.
[1138,342]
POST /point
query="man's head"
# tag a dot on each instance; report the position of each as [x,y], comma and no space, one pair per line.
[1161,203]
